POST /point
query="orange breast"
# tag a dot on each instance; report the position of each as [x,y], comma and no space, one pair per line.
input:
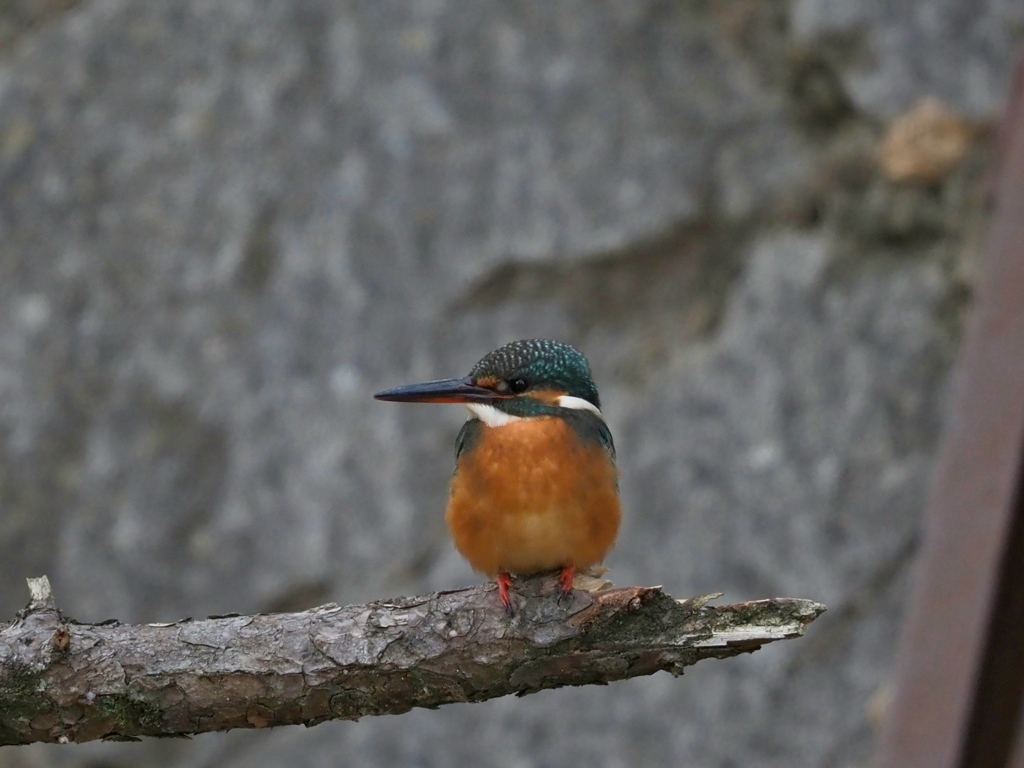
[530,497]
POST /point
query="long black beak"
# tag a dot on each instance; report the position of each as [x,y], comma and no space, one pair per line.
[441,391]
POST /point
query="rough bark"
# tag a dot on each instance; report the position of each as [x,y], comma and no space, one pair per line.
[61,681]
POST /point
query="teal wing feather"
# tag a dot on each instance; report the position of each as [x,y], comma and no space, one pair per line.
[590,428]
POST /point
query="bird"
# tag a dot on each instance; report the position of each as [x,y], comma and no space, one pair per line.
[535,486]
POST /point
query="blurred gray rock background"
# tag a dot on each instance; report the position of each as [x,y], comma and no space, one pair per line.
[223,226]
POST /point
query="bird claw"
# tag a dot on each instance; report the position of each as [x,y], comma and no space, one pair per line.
[565,588]
[504,581]
[565,580]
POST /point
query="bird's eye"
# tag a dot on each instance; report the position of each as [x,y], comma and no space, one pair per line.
[518,385]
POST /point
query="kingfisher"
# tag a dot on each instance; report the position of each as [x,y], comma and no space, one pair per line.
[535,486]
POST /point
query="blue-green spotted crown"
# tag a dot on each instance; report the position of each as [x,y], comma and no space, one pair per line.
[540,364]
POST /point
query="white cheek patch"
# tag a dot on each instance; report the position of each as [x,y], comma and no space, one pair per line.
[577,403]
[490,415]
[493,417]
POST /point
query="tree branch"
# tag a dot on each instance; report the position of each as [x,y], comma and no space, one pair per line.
[61,681]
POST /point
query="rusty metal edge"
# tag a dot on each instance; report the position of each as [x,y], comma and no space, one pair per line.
[958,689]
[1017,760]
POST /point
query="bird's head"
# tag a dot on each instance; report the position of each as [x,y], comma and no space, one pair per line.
[530,377]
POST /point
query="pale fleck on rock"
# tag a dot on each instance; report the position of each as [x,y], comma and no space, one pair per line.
[880,705]
[16,138]
[925,144]
[33,312]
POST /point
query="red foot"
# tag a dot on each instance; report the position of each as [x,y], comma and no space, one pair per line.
[566,577]
[504,582]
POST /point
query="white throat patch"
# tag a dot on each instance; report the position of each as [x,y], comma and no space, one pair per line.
[493,417]
[490,415]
